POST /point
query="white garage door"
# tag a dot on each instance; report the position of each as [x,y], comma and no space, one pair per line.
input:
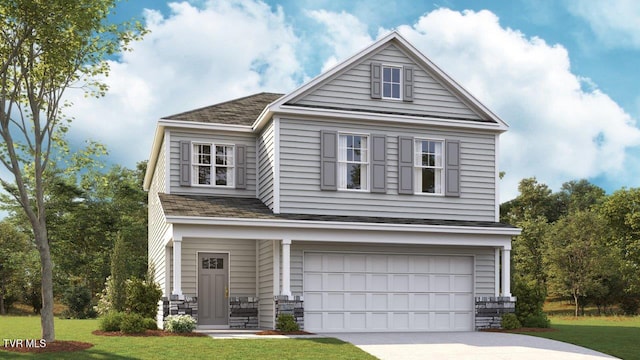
[379,292]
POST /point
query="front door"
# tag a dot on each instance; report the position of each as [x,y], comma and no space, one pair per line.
[213,289]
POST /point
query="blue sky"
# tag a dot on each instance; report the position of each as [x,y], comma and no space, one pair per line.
[562,73]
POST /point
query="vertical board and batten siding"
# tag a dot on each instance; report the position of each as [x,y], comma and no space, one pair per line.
[266,165]
[157,224]
[483,272]
[351,89]
[265,283]
[247,140]
[300,175]
[242,264]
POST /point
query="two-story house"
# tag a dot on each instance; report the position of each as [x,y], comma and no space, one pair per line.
[364,200]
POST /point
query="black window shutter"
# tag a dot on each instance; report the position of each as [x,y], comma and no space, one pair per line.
[452,168]
[376,80]
[405,165]
[407,93]
[378,163]
[185,163]
[328,160]
[241,167]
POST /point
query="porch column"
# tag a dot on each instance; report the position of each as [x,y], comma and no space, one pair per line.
[177,267]
[286,267]
[506,272]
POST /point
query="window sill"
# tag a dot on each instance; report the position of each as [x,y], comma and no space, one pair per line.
[213,186]
[429,194]
[355,190]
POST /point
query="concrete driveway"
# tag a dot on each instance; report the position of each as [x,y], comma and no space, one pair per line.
[465,345]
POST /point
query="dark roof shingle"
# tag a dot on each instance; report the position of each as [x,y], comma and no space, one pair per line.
[241,111]
[249,208]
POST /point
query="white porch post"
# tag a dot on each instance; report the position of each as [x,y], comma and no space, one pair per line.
[177,267]
[286,267]
[506,272]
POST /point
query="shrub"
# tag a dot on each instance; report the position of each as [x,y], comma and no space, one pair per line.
[536,321]
[111,321]
[143,297]
[105,302]
[78,300]
[150,324]
[180,324]
[287,323]
[510,322]
[530,298]
[132,324]
[630,305]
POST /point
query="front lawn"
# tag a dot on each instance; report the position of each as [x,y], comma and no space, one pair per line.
[174,347]
[613,335]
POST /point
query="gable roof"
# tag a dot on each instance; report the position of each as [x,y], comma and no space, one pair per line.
[487,116]
[240,111]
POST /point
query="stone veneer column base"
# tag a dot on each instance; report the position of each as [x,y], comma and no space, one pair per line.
[175,306]
[489,311]
[293,306]
[243,312]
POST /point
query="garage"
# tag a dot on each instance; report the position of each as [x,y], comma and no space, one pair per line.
[387,292]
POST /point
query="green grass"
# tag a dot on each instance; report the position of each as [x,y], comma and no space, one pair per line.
[174,347]
[614,335]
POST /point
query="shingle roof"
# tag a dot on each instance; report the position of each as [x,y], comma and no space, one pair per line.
[241,111]
[249,208]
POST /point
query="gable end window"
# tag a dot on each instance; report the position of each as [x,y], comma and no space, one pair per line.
[391,82]
[353,162]
[213,165]
[429,169]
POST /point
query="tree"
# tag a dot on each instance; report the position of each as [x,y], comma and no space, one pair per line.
[14,247]
[577,256]
[47,46]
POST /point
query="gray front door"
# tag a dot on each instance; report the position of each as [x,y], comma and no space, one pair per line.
[213,289]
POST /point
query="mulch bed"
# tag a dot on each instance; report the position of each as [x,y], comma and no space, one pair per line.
[276,332]
[56,346]
[524,329]
[147,333]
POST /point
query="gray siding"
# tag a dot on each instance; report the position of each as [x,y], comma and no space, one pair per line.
[484,260]
[265,283]
[242,264]
[216,137]
[157,223]
[350,89]
[266,164]
[300,175]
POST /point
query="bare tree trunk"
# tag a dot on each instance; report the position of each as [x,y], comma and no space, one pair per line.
[3,311]
[575,299]
[46,314]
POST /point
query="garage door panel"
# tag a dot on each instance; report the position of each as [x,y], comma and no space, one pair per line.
[383,292]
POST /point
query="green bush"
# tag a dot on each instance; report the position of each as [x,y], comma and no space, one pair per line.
[78,300]
[111,321]
[287,323]
[630,305]
[510,322]
[150,324]
[180,324]
[531,298]
[536,321]
[132,323]
[143,297]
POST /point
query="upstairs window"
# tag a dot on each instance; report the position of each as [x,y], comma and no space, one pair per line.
[213,164]
[429,164]
[391,82]
[353,162]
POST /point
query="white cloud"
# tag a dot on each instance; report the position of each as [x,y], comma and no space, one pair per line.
[345,34]
[562,126]
[616,23]
[196,56]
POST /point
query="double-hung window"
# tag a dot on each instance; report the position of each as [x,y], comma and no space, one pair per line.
[428,164]
[353,162]
[213,164]
[391,82]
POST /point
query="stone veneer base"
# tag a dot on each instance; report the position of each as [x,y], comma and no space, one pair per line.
[489,311]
